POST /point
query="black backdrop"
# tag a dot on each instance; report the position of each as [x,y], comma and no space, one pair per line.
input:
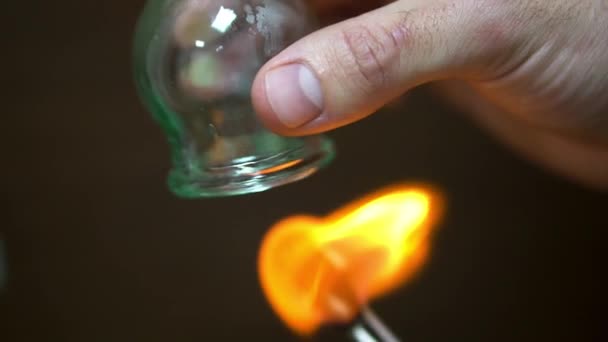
[99,250]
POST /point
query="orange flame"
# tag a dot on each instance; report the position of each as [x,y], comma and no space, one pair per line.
[321,270]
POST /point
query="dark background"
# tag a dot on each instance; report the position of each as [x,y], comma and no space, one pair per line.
[99,250]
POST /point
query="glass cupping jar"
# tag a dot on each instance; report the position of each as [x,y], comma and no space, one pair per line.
[195,62]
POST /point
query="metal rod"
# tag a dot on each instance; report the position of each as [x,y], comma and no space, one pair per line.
[366,327]
[369,328]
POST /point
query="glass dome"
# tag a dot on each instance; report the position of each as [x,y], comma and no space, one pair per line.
[195,62]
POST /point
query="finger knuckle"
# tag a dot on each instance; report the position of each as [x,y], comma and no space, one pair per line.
[371,54]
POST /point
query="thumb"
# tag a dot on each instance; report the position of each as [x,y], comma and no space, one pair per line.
[347,71]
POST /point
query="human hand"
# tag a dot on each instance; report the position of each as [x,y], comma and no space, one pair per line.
[535,72]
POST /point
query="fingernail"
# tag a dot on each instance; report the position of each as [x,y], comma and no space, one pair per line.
[294,93]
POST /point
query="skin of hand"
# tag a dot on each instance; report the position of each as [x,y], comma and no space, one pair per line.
[534,72]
